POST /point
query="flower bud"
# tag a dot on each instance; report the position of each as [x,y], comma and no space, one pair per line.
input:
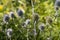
[19,12]
[27,21]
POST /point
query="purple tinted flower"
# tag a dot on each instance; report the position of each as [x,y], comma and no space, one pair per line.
[24,25]
[12,14]
[41,27]
[6,18]
[27,21]
[9,32]
[19,12]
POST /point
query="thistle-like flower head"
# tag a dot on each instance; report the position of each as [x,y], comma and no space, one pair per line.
[41,27]
[19,12]
[27,21]
[9,32]
[11,14]
[6,18]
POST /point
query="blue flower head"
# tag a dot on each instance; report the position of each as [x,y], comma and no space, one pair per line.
[12,14]
[57,4]
[19,12]
[6,18]
[9,32]
[41,27]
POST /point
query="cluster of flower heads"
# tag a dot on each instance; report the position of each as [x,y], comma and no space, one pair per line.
[12,15]
[6,19]
[20,13]
[36,17]
[41,27]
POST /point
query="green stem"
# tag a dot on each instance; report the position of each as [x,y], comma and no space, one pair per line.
[27,34]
